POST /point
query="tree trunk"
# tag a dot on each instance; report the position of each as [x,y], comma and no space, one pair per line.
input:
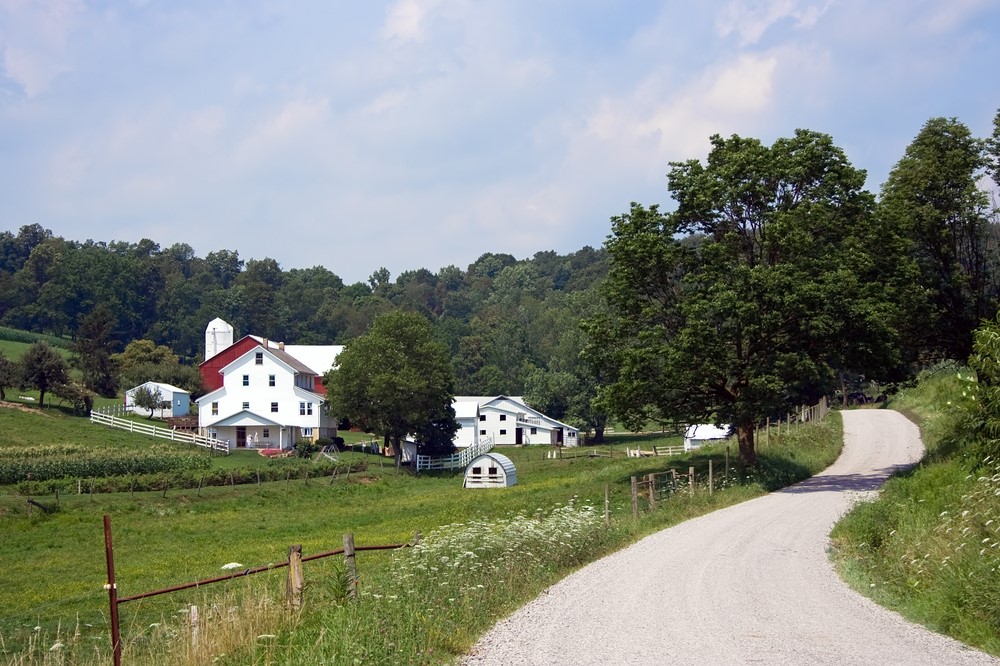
[598,435]
[397,449]
[744,435]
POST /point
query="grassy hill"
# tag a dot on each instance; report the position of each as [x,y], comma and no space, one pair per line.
[54,562]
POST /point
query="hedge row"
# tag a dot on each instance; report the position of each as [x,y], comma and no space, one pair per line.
[121,464]
[187,478]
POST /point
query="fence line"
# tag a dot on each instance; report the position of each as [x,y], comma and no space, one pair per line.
[294,587]
[113,421]
[455,460]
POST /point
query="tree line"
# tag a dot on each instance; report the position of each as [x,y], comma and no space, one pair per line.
[775,279]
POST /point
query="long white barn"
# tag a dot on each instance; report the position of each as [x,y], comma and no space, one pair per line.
[510,421]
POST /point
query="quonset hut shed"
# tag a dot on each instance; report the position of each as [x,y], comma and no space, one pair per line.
[490,470]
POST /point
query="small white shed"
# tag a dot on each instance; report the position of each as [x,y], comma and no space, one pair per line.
[490,470]
[701,433]
[175,401]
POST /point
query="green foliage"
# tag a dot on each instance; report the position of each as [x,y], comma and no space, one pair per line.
[145,397]
[932,198]
[43,369]
[305,448]
[767,297]
[396,380]
[92,351]
[10,375]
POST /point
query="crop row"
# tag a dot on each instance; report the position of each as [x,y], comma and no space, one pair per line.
[40,469]
[185,478]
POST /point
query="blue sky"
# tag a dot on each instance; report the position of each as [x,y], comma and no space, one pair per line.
[422,133]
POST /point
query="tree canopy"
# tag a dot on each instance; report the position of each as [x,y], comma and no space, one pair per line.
[396,380]
[43,368]
[751,295]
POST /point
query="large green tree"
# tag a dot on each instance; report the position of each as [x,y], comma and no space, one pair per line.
[396,380]
[43,368]
[751,295]
[933,199]
[93,348]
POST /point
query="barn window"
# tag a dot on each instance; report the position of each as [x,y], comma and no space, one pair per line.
[246,405]
[246,380]
[302,409]
[215,409]
[267,433]
[503,417]
[493,471]
[274,407]
[270,380]
[534,431]
[477,471]
[503,432]
[482,417]
[482,432]
[259,358]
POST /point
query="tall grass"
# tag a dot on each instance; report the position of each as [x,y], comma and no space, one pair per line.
[929,547]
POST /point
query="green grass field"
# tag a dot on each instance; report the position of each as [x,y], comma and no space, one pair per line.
[54,564]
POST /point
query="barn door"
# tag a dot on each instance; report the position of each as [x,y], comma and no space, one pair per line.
[241,436]
[519,436]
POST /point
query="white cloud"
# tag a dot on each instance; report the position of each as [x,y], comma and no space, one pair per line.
[36,40]
[405,20]
[750,19]
[290,125]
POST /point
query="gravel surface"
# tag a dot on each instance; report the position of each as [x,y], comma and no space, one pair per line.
[748,584]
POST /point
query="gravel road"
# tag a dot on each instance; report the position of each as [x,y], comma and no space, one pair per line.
[749,584]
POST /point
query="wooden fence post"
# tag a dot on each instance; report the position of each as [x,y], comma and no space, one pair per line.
[727,463]
[767,433]
[691,479]
[607,504]
[711,481]
[635,499]
[673,473]
[294,582]
[195,626]
[416,538]
[651,480]
[350,566]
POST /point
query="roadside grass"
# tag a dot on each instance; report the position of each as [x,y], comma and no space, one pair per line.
[522,539]
[929,547]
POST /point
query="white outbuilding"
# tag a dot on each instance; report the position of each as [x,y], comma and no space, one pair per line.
[703,433]
[173,401]
[490,470]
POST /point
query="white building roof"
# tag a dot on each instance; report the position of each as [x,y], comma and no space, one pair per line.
[707,431]
[164,388]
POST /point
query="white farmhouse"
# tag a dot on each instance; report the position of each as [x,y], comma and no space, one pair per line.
[508,420]
[263,394]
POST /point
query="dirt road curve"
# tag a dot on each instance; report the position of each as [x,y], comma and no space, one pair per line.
[750,584]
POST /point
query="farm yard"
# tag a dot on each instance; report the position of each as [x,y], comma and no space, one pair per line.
[54,562]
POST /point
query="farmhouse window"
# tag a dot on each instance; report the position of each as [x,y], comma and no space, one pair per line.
[274,407]
[246,380]
[477,471]
[259,358]
[482,417]
[534,431]
[270,380]
[305,408]
[307,432]
[482,432]
[215,409]
[503,432]
[246,405]
[503,417]
[267,433]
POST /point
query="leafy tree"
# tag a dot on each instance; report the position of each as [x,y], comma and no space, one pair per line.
[43,368]
[79,397]
[759,311]
[396,380]
[145,397]
[9,375]
[92,351]
[932,197]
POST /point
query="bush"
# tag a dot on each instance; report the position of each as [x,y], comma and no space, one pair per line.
[305,448]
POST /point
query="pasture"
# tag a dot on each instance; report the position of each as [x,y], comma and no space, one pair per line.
[54,562]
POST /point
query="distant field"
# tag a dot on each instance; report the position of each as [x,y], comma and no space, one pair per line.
[13,350]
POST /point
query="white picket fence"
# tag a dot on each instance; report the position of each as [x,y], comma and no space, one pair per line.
[455,460]
[155,431]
